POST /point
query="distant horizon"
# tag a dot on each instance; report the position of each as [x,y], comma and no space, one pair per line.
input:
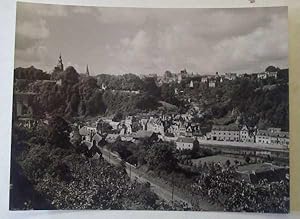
[150,41]
[177,72]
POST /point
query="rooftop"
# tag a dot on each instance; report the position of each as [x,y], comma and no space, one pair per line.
[231,127]
[185,140]
[258,168]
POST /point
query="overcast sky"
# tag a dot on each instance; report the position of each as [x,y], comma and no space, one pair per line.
[144,41]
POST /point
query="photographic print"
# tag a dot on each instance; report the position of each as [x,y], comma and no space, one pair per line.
[181,109]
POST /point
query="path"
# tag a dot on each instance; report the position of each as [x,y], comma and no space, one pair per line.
[163,190]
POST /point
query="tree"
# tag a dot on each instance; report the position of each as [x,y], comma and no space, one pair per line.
[103,127]
[160,157]
[118,117]
[151,88]
[196,148]
[227,163]
[59,132]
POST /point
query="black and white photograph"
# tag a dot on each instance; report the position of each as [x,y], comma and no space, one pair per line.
[166,109]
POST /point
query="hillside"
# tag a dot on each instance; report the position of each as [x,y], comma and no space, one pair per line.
[254,102]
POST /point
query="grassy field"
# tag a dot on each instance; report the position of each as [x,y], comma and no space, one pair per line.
[217,158]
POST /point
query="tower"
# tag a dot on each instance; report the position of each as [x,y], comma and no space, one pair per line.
[60,65]
[87,70]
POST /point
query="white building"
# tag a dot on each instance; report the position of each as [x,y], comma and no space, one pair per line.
[225,133]
[184,143]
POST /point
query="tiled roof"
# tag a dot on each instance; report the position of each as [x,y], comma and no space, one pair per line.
[232,127]
[142,134]
[280,134]
[185,140]
[84,131]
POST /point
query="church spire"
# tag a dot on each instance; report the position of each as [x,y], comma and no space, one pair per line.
[87,70]
[60,64]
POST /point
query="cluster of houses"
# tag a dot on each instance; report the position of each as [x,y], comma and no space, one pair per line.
[213,80]
[253,135]
[180,129]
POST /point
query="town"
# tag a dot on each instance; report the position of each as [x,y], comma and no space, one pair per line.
[256,154]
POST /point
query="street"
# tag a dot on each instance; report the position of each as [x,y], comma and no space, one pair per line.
[164,191]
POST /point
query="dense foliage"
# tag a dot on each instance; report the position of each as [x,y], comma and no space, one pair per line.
[53,176]
[255,102]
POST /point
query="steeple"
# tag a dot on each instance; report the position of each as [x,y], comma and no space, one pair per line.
[87,70]
[60,64]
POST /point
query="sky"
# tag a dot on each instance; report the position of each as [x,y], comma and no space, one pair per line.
[151,41]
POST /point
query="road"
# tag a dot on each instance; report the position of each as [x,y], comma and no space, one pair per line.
[164,191]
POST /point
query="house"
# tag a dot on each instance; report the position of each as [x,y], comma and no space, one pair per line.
[263,137]
[156,125]
[87,132]
[103,86]
[115,125]
[191,84]
[204,79]
[173,130]
[128,138]
[273,74]
[272,136]
[247,135]
[272,71]
[193,129]
[225,132]
[96,139]
[184,143]
[126,129]
[230,76]
[143,123]
[262,75]
[212,83]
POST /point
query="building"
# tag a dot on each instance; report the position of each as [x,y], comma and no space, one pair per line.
[60,65]
[230,76]
[204,79]
[193,129]
[262,75]
[247,135]
[191,84]
[155,125]
[87,71]
[263,137]
[184,143]
[272,136]
[212,83]
[273,74]
[225,132]
[96,139]
[87,133]
[103,86]
[23,104]
[272,71]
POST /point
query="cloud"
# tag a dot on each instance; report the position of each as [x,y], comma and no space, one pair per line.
[139,40]
[44,10]
[224,40]
[33,29]
[260,47]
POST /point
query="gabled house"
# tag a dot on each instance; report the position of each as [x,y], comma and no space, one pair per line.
[184,143]
[225,132]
